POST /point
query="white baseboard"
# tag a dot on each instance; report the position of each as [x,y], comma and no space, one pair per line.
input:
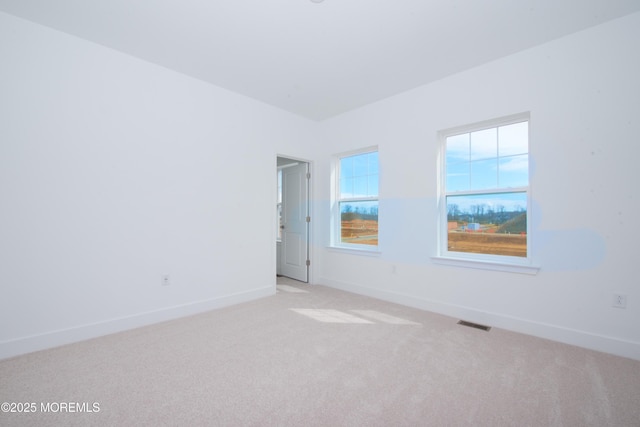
[575,337]
[57,338]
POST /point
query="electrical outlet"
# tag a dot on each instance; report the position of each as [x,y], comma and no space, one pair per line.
[165,280]
[619,301]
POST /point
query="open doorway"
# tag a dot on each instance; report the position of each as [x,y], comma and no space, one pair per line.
[292,243]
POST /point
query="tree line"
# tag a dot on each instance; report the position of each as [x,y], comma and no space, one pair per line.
[350,213]
[482,213]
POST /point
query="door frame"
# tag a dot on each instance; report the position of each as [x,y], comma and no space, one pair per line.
[310,208]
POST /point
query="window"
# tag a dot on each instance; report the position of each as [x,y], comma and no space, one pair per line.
[356,207]
[485,191]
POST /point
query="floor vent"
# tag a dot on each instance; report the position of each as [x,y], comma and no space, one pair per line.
[474,325]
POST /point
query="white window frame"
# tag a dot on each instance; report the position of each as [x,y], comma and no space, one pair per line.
[336,223]
[472,260]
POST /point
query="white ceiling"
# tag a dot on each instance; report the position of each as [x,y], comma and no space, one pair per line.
[319,59]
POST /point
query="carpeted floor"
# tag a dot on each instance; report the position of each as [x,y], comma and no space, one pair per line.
[317,356]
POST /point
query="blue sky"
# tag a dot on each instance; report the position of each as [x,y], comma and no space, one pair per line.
[359,175]
[488,159]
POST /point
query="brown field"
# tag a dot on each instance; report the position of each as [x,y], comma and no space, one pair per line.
[487,243]
[363,232]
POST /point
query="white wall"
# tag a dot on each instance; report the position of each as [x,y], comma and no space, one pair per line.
[583,93]
[113,172]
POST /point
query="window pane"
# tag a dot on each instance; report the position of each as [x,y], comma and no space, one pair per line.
[359,222]
[458,177]
[360,165]
[494,224]
[484,144]
[373,163]
[484,174]
[359,176]
[457,149]
[346,187]
[346,167]
[359,180]
[484,161]
[514,171]
[513,139]
[373,186]
[360,186]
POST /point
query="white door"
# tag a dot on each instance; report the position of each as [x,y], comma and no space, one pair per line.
[295,222]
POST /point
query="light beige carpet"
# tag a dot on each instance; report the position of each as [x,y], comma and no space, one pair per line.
[316,356]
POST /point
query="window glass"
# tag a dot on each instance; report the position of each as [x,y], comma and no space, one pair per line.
[485,190]
[513,139]
[358,199]
[458,148]
[484,144]
[514,171]
[360,186]
[458,177]
[484,174]
[359,222]
[488,224]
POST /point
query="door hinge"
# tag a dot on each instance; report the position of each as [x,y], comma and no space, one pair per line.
[308,175]
[308,263]
[308,219]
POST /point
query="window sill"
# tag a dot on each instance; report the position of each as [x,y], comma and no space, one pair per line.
[355,250]
[486,265]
